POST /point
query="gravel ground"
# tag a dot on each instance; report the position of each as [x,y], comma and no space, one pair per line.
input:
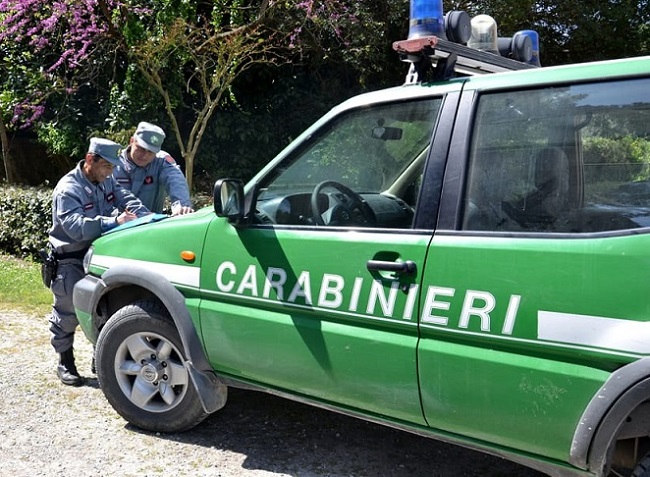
[53,430]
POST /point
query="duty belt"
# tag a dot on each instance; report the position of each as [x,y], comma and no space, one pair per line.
[79,254]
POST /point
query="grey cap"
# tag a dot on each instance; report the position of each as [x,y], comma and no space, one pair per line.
[149,136]
[105,148]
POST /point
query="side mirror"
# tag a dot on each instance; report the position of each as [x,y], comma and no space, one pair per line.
[228,198]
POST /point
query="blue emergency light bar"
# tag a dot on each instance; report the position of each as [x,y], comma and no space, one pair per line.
[534,39]
[453,43]
[518,47]
[426,19]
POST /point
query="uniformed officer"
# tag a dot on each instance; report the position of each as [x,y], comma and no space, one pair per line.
[152,174]
[85,203]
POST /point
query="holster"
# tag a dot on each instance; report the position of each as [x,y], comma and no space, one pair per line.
[48,266]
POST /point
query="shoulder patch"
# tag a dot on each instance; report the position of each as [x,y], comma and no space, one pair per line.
[170,159]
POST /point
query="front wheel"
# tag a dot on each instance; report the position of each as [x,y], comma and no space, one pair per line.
[140,369]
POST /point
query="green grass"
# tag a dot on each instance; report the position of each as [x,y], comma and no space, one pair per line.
[21,287]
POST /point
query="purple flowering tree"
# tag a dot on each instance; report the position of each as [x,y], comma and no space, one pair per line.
[191,51]
[47,50]
[54,42]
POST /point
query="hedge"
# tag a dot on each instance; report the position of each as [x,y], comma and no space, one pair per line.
[26,217]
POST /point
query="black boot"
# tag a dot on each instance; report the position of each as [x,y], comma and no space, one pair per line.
[67,371]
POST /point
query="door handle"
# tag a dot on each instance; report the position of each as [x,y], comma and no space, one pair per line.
[407,267]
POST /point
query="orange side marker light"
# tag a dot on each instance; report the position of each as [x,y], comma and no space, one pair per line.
[188,255]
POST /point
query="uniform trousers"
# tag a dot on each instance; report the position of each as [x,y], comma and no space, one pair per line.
[63,321]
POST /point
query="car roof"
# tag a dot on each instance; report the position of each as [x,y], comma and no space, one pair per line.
[551,74]
[577,72]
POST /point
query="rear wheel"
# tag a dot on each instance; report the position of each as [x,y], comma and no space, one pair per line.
[628,464]
[643,467]
[140,368]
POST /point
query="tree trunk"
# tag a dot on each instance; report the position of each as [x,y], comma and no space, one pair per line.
[10,171]
[189,168]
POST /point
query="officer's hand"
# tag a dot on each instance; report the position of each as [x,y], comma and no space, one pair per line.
[125,217]
[178,209]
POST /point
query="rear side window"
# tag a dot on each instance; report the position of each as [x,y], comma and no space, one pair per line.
[570,159]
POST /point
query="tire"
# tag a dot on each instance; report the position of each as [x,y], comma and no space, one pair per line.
[139,359]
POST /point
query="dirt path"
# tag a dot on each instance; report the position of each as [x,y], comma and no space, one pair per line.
[53,430]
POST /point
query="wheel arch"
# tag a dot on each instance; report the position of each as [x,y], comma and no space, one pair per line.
[143,283]
[608,414]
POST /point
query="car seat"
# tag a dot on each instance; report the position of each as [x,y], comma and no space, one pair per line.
[539,209]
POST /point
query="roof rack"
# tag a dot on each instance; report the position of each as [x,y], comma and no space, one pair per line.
[448,58]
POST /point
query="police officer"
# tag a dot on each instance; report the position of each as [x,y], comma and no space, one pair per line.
[151,173]
[85,203]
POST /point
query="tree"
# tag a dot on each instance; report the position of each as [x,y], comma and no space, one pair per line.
[17,81]
[7,159]
[44,50]
[574,32]
[212,58]
[203,46]
[218,46]
[75,68]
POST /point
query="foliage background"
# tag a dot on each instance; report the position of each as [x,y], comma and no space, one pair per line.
[322,52]
[25,217]
[74,69]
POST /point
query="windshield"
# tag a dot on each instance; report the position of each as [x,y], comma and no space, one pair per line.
[365,149]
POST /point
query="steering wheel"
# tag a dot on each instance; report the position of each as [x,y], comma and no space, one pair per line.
[343,213]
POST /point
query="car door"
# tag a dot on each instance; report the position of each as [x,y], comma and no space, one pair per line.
[536,285]
[315,295]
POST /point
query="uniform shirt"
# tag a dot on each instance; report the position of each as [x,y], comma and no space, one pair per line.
[152,183]
[82,211]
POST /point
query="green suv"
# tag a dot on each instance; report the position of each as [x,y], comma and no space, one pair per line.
[466,259]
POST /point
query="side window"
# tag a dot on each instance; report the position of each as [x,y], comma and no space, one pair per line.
[362,169]
[572,159]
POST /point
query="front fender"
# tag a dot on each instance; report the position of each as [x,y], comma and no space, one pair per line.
[89,291]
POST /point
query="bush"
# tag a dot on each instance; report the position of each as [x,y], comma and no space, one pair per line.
[201,200]
[25,218]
